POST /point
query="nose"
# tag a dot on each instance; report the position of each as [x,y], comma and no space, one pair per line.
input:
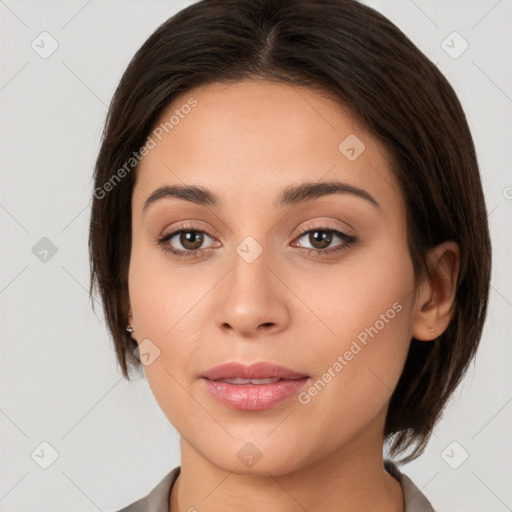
[253,299]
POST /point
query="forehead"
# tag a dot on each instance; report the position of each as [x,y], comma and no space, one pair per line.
[253,138]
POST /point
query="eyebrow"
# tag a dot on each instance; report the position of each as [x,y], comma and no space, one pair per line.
[291,195]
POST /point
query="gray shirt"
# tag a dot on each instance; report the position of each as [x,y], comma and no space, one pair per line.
[158,498]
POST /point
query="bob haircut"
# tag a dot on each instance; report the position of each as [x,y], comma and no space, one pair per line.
[349,52]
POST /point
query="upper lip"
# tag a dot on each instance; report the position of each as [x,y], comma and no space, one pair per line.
[259,370]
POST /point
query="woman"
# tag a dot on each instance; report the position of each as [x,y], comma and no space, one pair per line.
[290,238]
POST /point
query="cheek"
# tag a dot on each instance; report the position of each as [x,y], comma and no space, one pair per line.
[159,296]
[369,315]
[168,310]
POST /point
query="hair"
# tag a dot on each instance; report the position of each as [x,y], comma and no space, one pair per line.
[353,54]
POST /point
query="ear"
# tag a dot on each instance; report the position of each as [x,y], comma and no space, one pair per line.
[127,312]
[126,308]
[433,309]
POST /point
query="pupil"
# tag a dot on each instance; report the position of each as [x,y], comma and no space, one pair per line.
[191,240]
[324,238]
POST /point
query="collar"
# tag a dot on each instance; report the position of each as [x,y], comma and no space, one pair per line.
[158,498]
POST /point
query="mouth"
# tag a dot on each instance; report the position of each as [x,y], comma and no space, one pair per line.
[259,373]
[239,381]
[253,387]
[253,394]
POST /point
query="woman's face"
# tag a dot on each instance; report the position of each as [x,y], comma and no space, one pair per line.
[266,277]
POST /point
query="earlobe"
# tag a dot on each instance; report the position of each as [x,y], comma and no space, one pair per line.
[130,329]
[435,305]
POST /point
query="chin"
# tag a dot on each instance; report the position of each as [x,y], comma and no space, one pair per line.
[250,461]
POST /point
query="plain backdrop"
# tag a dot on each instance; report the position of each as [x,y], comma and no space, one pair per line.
[63,403]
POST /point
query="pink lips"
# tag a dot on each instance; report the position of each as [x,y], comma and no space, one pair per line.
[252,397]
[260,370]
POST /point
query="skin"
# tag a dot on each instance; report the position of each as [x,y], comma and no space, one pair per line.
[246,142]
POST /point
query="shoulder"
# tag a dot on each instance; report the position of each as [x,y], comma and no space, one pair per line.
[157,500]
[415,500]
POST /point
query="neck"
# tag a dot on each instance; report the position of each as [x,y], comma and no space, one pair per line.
[347,480]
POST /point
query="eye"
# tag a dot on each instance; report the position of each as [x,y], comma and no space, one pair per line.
[192,240]
[188,237]
[321,238]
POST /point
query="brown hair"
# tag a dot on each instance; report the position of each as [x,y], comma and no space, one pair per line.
[359,57]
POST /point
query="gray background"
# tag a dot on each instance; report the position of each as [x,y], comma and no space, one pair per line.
[59,383]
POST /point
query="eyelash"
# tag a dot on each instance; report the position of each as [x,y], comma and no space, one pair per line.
[349,241]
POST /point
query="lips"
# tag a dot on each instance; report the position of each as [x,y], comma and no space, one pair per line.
[255,371]
[253,397]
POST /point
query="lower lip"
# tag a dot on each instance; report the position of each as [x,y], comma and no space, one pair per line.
[253,397]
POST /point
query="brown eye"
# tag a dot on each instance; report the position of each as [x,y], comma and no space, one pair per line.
[320,239]
[191,240]
[186,242]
